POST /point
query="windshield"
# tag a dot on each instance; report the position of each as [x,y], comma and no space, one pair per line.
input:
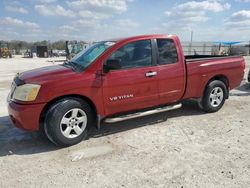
[87,56]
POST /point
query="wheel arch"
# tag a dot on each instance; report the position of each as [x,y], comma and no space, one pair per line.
[219,77]
[53,101]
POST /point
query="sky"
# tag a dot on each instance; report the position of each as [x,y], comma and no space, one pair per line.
[93,20]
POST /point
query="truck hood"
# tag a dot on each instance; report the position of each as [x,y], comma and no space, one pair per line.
[45,74]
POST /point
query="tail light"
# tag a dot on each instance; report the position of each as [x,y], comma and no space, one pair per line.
[243,65]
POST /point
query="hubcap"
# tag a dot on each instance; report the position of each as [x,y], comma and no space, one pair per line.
[216,96]
[73,123]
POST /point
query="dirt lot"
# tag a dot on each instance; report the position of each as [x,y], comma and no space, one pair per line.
[182,148]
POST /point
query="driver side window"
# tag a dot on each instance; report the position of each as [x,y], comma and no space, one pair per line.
[134,54]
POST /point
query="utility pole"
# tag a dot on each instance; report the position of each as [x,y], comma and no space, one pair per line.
[191,42]
[249,49]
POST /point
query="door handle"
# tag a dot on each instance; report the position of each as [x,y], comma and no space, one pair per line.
[151,74]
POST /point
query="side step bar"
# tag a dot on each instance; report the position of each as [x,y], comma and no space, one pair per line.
[140,114]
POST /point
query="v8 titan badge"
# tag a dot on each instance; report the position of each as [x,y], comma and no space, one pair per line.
[121,97]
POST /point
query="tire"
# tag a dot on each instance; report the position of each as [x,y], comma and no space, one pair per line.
[67,121]
[214,96]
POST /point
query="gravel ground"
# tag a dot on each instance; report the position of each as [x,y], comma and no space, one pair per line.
[182,148]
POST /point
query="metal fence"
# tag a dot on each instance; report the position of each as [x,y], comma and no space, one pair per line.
[209,48]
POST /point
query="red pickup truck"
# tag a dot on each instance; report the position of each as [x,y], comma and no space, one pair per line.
[119,79]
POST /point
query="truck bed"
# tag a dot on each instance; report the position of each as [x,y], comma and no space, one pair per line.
[202,68]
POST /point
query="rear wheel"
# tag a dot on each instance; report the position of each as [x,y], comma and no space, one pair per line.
[67,121]
[214,96]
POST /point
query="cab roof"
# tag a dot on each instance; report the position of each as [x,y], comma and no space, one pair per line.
[138,37]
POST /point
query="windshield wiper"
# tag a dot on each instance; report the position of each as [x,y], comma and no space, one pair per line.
[76,67]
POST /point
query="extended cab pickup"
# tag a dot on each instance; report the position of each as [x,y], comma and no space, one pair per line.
[119,79]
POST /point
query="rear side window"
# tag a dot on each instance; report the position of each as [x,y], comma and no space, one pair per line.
[134,54]
[167,51]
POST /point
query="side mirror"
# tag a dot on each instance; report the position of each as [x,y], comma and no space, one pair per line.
[112,64]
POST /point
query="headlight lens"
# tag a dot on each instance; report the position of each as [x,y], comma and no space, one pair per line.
[26,92]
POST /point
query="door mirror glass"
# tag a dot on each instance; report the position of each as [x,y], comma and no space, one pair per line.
[112,64]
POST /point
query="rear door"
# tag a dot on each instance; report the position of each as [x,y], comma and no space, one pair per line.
[171,71]
[134,86]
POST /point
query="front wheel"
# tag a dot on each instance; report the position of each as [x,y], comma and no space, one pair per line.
[67,121]
[214,96]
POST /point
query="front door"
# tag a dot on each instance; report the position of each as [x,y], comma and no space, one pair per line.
[133,86]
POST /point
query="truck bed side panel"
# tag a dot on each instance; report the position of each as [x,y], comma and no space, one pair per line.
[200,71]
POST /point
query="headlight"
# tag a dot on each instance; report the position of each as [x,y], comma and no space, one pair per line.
[26,92]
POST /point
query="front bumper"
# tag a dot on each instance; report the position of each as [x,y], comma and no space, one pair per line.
[25,116]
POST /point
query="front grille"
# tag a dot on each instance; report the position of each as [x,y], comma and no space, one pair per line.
[12,90]
[16,82]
